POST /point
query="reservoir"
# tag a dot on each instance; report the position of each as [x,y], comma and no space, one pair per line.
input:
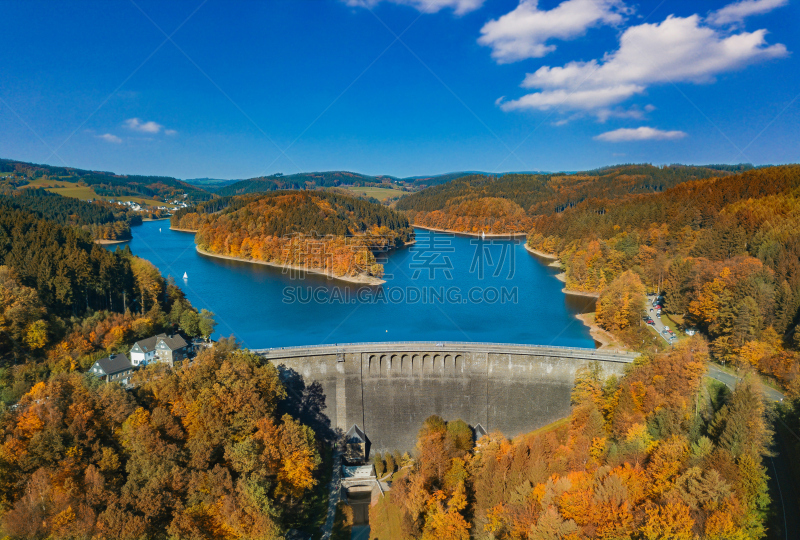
[442,288]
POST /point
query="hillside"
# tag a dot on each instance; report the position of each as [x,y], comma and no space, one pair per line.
[299,181]
[724,251]
[104,221]
[104,184]
[440,206]
[322,231]
[656,454]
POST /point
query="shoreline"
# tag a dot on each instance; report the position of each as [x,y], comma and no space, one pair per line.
[154,219]
[360,280]
[110,242]
[479,235]
[554,262]
[561,276]
[605,338]
[182,230]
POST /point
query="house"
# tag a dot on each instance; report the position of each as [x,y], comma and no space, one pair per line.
[159,348]
[115,368]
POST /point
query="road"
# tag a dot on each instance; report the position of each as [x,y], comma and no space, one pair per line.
[785,522]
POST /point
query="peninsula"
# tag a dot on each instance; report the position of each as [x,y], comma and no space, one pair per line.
[318,232]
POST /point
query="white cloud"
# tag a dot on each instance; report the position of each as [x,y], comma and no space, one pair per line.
[675,50]
[170,132]
[736,13]
[108,137]
[143,127]
[640,134]
[524,32]
[459,7]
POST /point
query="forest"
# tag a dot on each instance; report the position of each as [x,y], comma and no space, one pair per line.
[464,204]
[655,454]
[210,451]
[724,251]
[102,220]
[313,229]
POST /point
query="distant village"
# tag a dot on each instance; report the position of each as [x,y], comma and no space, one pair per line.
[136,207]
[170,349]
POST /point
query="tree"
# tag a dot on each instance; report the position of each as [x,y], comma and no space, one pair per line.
[621,304]
[207,323]
[377,461]
[190,322]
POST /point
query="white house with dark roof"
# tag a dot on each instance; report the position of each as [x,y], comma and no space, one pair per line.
[159,348]
[115,368]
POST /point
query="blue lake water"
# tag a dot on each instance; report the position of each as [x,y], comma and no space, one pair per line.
[443,288]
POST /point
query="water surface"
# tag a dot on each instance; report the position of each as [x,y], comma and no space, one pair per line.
[443,288]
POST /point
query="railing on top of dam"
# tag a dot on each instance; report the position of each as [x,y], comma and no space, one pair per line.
[402,346]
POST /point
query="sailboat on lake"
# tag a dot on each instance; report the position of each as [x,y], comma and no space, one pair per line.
[185,276]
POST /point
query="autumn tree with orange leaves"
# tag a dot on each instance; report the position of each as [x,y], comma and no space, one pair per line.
[648,456]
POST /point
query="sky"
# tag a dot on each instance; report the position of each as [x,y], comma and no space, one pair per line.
[400,87]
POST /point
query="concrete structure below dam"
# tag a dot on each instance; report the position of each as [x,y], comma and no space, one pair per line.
[389,389]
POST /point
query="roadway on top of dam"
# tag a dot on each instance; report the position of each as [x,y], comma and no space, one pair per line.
[445,346]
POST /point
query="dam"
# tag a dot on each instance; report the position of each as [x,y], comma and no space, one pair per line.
[389,389]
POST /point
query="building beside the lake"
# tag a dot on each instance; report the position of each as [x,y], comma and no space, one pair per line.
[168,349]
[116,368]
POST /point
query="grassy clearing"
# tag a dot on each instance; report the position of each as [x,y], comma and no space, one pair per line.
[72,189]
[379,193]
[63,187]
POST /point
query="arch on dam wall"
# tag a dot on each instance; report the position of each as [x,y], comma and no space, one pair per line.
[405,364]
[384,371]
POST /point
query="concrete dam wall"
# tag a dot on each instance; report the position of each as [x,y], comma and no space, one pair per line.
[389,389]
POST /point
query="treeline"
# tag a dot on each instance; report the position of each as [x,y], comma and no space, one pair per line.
[110,184]
[319,230]
[538,194]
[724,251]
[103,220]
[656,454]
[299,181]
[204,452]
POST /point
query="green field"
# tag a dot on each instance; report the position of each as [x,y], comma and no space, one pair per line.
[379,193]
[72,189]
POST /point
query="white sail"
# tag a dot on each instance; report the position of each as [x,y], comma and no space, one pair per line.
[483,235]
[185,275]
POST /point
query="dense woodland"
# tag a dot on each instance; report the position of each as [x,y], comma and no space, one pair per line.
[724,251]
[65,301]
[462,204]
[204,452]
[318,230]
[102,220]
[299,181]
[655,455]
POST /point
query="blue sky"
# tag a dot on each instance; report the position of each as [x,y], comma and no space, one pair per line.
[401,87]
